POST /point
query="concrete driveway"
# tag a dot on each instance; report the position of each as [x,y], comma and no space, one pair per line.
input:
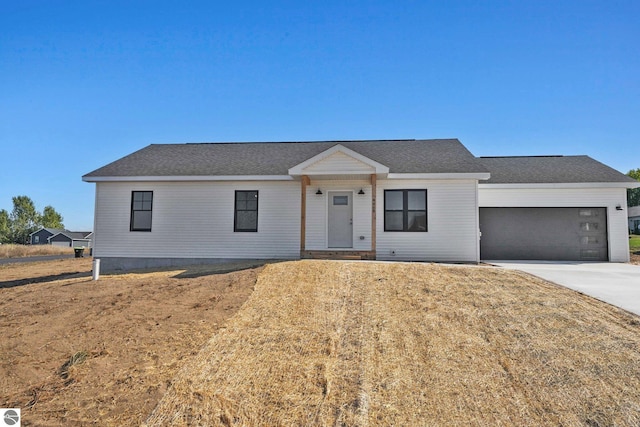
[615,283]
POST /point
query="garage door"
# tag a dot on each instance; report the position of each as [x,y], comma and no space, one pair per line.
[66,244]
[557,234]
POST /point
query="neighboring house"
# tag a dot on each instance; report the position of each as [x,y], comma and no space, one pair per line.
[414,200]
[73,239]
[59,237]
[634,219]
[41,236]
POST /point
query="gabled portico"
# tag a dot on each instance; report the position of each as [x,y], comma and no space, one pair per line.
[338,204]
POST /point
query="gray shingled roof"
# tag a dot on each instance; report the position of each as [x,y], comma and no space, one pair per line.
[276,158]
[549,169]
[79,235]
[50,230]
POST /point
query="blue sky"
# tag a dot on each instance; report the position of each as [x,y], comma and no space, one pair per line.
[83,83]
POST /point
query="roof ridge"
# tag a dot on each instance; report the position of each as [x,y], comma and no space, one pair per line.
[304,142]
[524,157]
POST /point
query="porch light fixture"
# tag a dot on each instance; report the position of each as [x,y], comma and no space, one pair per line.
[319,193]
[361,192]
[618,207]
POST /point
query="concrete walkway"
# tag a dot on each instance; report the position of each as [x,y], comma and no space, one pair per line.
[615,283]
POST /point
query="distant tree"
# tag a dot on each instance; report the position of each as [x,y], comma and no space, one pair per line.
[5,229]
[50,218]
[24,219]
[633,194]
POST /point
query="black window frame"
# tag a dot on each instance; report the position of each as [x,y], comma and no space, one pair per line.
[236,210]
[405,210]
[133,211]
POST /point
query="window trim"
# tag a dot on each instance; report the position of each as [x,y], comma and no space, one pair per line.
[131,226]
[235,212]
[405,210]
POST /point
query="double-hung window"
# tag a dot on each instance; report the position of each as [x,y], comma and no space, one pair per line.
[405,210]
[141,208]
[246,211]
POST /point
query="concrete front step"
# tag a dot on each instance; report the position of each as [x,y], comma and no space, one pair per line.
[347,255]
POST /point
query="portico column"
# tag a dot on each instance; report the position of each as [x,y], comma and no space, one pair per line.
[304,182]
[373,212]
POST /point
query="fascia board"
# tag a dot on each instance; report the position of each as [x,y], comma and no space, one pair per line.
[187,178]
[562,185]
[476,175]
[338,172]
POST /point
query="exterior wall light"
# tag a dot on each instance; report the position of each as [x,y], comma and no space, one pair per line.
[361,192]
[319,193]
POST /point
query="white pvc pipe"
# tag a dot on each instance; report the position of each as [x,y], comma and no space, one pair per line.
[96,269]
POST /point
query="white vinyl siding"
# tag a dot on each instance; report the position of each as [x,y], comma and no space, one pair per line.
[569,197]
[339,163]
[317,209]
[452,218]
[195,220]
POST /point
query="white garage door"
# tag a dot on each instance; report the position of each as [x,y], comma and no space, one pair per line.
[62,244]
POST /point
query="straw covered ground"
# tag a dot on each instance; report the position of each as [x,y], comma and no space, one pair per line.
[355,344]
[20,251]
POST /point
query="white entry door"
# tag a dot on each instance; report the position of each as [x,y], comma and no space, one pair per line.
[340,233]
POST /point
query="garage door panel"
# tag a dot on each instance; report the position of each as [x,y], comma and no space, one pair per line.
[567,234]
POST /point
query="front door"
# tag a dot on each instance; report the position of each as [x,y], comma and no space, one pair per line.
[340,233]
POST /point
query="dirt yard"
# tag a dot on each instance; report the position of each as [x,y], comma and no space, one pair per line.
[78,352]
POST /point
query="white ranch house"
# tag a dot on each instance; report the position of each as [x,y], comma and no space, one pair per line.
[412,200]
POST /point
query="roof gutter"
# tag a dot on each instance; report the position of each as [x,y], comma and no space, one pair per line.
[474,175]
[563,185]
[187,178]
[450,175]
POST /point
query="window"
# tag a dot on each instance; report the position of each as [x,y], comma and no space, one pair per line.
[141,207]
[405,210]
[340,200]
[36,239]
[246,211]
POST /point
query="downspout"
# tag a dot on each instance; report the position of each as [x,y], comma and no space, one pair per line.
[373,214]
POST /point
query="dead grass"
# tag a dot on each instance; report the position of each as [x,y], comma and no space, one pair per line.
[343,344]
[21,251]
[78,352]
